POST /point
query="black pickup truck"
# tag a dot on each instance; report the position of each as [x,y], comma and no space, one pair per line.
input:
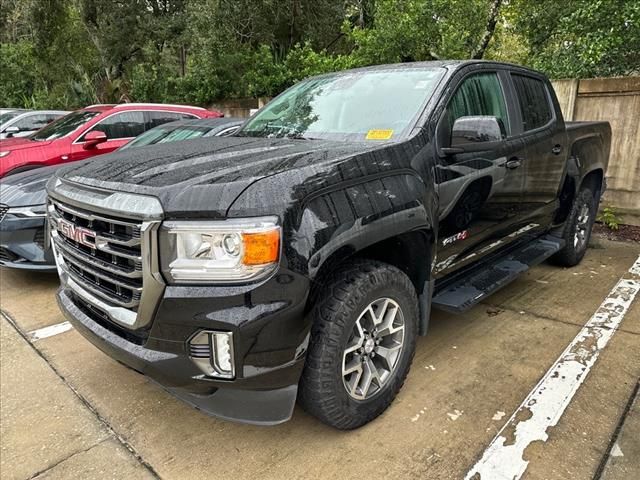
[301,257]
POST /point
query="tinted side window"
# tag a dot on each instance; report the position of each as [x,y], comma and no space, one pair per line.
[32,122]
[534,101]
[158,118]
[479,94]
[122,125]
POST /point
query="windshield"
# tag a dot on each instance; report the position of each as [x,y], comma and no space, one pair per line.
[365,105]
[5,117]
[64,126]
[166,135]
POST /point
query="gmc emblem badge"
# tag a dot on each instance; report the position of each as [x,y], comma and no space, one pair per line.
[82,235]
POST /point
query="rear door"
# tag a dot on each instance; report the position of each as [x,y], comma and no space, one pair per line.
[156,118]
[479,193]
[544,136]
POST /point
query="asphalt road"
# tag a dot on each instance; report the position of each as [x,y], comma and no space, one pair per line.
[69,411]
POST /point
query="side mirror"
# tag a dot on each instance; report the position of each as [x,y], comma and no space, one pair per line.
[11,131]
[93,138]
[476,133]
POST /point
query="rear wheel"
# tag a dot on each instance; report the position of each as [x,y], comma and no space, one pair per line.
[577,230]
[362,343]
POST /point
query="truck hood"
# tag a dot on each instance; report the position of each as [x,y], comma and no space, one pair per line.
[203,177]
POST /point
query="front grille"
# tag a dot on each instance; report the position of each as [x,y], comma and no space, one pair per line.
[7,256]
[102,318]
[103,254]
[3,211]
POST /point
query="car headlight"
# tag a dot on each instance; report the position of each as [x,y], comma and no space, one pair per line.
[224,251]
[29,211]
[5,153]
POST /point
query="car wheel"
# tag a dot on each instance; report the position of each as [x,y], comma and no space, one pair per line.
[362,344]
[577,230]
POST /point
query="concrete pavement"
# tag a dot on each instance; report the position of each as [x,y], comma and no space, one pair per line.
[69,411]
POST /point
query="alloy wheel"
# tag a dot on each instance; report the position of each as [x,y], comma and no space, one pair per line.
[582,227]
[373,349]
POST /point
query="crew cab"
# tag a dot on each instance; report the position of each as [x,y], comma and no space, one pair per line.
[299,258]
[91,131]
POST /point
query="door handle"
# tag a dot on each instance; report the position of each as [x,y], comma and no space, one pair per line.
[513,162]
[556,149]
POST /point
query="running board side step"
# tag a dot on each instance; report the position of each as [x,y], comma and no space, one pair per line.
[479,283]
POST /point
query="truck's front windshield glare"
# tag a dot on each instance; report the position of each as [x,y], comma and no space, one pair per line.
[364,105]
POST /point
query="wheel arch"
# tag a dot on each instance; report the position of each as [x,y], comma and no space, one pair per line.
[410,252]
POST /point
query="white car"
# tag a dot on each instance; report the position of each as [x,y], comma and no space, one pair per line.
[20,123]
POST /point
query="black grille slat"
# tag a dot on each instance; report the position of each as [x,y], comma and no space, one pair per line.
[102,319]
[7,256]
[3,211]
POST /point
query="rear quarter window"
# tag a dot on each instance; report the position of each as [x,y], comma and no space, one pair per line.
[533,98]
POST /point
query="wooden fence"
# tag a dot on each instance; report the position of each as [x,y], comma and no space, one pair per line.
[616,100]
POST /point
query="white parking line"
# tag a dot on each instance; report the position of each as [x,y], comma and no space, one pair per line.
[635,268]
[543,407]
[50,331]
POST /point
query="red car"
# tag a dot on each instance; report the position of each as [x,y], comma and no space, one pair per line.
[88,132]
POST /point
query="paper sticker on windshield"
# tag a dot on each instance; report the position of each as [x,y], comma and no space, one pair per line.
[379,134]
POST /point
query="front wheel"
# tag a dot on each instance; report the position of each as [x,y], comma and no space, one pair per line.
[577,230]
[362,344]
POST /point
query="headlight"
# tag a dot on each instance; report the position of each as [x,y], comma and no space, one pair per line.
[28,212]
[225,251]
[5,153]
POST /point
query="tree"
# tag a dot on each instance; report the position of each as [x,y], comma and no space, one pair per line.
[67,53]
[580,38]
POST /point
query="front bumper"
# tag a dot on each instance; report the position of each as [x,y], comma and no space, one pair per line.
[22,244]
[270,335]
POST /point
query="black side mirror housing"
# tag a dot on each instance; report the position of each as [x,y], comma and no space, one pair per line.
[475,133]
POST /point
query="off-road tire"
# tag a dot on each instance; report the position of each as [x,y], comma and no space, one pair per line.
[572,253]
[346,294]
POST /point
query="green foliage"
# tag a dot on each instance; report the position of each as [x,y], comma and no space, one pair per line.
[415,30]
[69,53]
[581,38]
[610,218]
[18,72]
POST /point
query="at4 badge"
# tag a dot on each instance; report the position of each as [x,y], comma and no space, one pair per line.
[454,238]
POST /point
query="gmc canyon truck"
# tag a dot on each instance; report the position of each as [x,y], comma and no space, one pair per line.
[299,258]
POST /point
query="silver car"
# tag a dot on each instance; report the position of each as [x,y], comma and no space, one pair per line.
[20,123]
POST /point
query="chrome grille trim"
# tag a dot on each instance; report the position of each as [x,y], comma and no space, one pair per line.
[101,201]
[71,251]
[93,217]
[118,273]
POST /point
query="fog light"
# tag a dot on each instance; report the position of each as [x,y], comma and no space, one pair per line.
[212,352]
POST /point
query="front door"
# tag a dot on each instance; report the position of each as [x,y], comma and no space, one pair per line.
[479,193]
[120,128]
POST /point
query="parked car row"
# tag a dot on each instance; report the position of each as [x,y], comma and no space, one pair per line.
[88,132]
[84,134]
